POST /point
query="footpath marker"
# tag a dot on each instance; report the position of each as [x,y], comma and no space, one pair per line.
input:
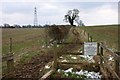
[90,48]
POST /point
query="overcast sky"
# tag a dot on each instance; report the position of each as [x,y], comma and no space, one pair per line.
[52,11]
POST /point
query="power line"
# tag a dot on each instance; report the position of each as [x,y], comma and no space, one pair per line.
[35,17]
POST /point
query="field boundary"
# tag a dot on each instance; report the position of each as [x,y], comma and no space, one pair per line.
[114,73]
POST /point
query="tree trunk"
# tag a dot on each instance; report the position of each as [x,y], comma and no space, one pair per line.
[71,22]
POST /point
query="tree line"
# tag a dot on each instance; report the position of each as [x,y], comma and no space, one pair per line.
[19,26]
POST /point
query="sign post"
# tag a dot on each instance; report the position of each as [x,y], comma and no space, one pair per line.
[90,48]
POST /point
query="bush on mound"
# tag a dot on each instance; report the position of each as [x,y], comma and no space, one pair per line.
[57,33]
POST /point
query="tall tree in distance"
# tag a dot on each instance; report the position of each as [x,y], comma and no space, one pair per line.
[71,16]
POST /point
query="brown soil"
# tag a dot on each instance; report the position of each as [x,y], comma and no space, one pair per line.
[32,68]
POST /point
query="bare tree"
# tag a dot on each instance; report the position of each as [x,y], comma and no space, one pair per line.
[71,16]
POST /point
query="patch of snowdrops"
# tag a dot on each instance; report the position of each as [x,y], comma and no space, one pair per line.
[82,74]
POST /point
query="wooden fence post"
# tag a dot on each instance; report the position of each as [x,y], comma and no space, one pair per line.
[10,61]
[46,42]
[10,67]
[101,53]
[98,45]
[55,56]
[117,70]
[83,49]
[46,38]
[88,37]
[10,45]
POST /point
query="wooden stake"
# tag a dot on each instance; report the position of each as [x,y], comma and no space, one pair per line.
[117,70]
[91,38]
[55,56]
[88,37]
[10,61]
[10,67]
[98,45]
[101,53]
[10,45]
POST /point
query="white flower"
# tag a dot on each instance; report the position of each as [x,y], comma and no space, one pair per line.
[85,72]
[81,71]
[110,58]
[48,46]
[69,70]
[66,74]
[83,56]
[51,44]
[61,57]
[92,75]
[73,57]
[57,45]
[43,46]
[47,67]
[64,60]
[58,70]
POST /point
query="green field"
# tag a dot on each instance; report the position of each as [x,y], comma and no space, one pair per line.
[28,42]
[104,33]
